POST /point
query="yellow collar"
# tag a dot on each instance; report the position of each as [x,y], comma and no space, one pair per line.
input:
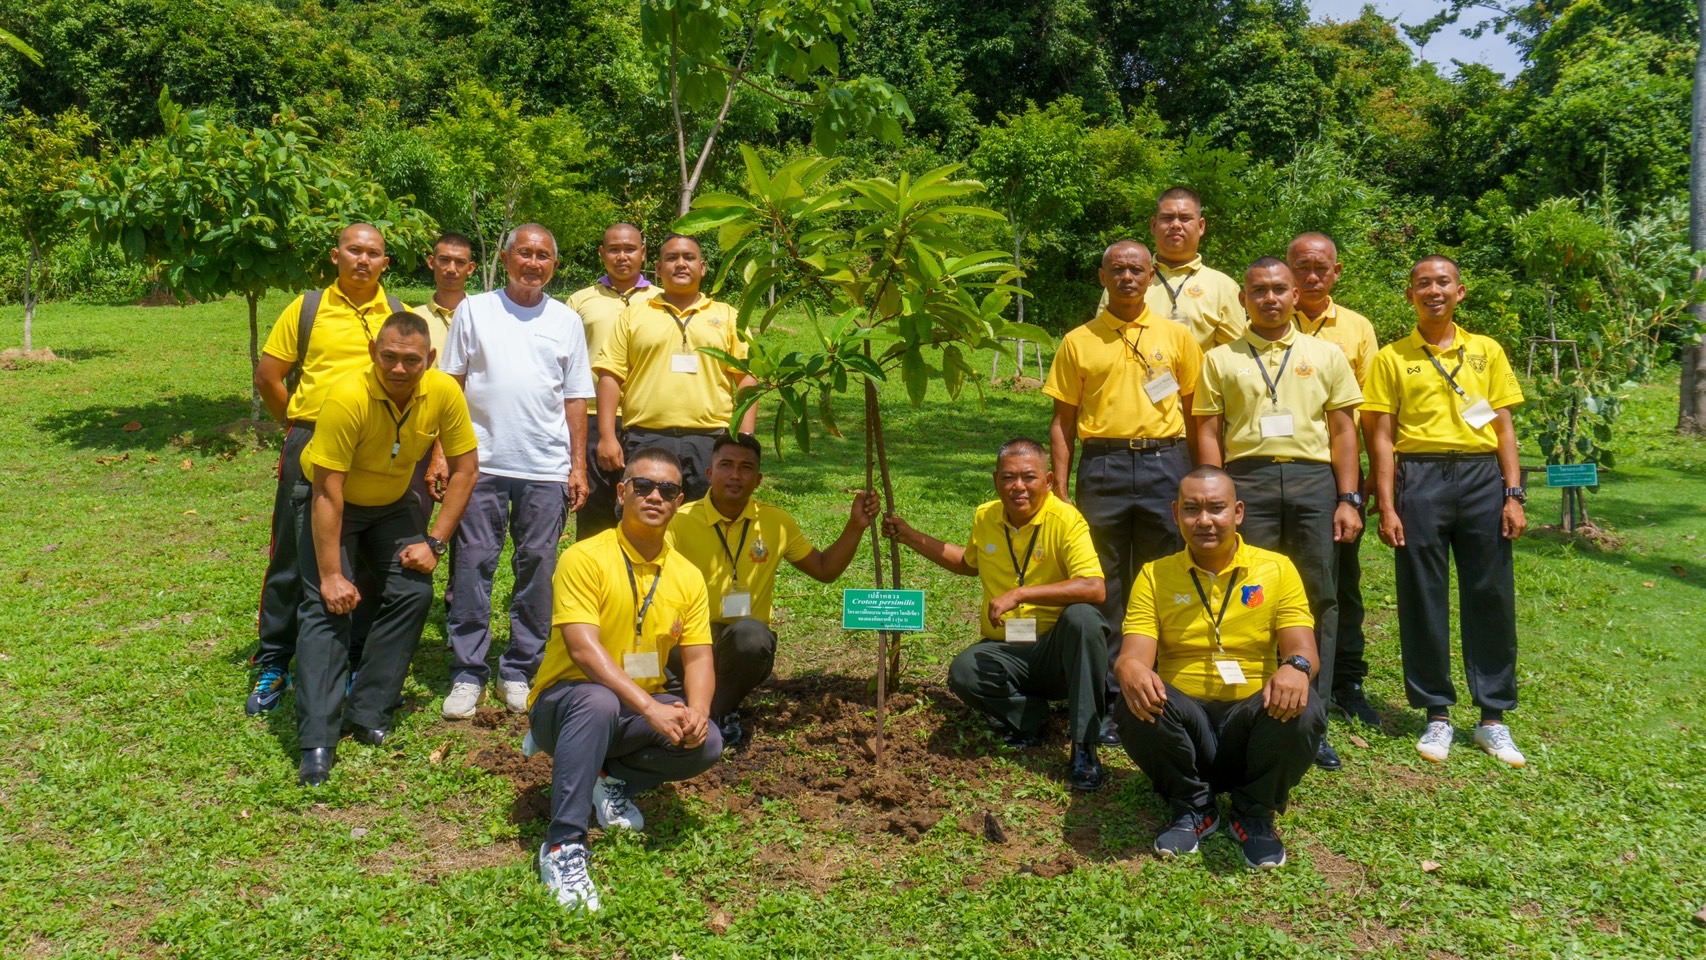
[1241,558]
[713,516]
[1117,325]
[633,553]
[1191,266]
[1263,344]
[376,387]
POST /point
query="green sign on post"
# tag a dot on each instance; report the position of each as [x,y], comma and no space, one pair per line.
[1572,474]
[899,610]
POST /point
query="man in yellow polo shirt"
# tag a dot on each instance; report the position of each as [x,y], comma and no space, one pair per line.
[322,336]
[1122,384]
[600,305]
[624,602]
[1043,638]
[1277,409]
[1182,288]
[1314,262]
[738,542]
[356,509]
[452,263]
[1444,457]
[1215,668]
[652,375]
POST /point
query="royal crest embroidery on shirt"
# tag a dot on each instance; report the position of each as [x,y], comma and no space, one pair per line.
[677,628]
[759,551]
[1477,362]
[1304,368]
[1195,290]
[1251,595]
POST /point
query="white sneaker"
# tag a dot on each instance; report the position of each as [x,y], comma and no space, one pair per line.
[515,695]
[613,808]
[564,872]
[464,696]
[1436,741]
[1495,738]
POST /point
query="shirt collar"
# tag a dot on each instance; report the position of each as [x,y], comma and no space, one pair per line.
[665,305]
[633,553]
[1459,337]
[1036,518]
[1327,318]
[378,298]
[1262,343]
[1241,559]
[713,516]
[441,312]
[376,388]
[1193,266]
[640,284]
[1116,324]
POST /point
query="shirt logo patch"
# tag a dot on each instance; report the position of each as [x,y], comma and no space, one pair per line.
[1304,368]
[1180,599]
[989,548]
[759,551]
[1159,357]
[1195,290]
[1479,363]
[677,628]
[1251,596]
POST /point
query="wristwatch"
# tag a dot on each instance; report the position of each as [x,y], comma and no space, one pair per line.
[1519,494]
[1299,661]
[436,545]
[1353,498]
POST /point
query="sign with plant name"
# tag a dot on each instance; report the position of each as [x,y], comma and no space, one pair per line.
[898,610]
[1572,474]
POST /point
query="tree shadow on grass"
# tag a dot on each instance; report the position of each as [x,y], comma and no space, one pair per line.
[172,421]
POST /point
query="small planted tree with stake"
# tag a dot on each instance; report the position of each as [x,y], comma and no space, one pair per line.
[885,276]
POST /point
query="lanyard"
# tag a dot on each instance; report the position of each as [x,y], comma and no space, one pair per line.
[361,315]
[1319,324]
[1021,570]
[1172,291]
[1272,382]
[1225,600]
[397,441]
[1137,350]
[681,323]
[640,609]
[733,555]
[1451,377]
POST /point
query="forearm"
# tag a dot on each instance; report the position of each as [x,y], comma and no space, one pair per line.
[1091,590]
[1208,450]
[601,668]
[269,383]
[949,556]
[574,411]
[609,402]
[833,562]
[749,419]
[1062,435]
[699,678]
[1377,432]
[1137,648]
[1344,445]
[1509,456]
[1299,642]
[327,522]
[464,470]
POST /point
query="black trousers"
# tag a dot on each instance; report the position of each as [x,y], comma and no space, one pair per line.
[400,601]
[1199,748]
[1288,508]
[693,447]
[744,654]
[281,590]
[1350,658]
[1014,682]
[1127,497]
[598,514]
[1453,509]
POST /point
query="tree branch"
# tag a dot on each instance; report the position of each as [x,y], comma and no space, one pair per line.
[691,184]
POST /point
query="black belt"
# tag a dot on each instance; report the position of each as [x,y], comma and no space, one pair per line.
[1112,443]
[1266,461]
[1445,457]
[678,431]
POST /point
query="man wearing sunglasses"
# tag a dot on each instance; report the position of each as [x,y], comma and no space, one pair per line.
[623,603]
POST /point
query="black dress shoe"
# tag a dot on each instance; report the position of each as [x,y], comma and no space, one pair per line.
[1326,758]
[316,766]
[1351,702]
[372,736]
[1110,735]
[1084,771]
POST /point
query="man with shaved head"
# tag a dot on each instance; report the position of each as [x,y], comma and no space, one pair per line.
[1122,384]
[521,358]
[600,304]
[1182,289]
[321,336]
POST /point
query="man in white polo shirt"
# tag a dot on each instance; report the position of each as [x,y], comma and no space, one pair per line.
[521,358]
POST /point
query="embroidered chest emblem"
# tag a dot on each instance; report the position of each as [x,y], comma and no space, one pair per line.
[1180,600]
[1477,362]
[759,550]
[1195,290]
[1304,368]
[1251,596]
[677,628]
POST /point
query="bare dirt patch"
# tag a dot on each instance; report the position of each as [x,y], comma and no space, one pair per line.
[14,358]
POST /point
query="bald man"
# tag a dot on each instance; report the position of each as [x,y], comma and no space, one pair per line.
[1122,385]
[1182,288]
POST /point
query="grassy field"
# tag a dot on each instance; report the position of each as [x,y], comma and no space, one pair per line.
[144,815]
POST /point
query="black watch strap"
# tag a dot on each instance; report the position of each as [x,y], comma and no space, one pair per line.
[437,546]
[1353,498]
[1519,494]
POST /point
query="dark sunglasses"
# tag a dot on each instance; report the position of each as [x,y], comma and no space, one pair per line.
[642,487]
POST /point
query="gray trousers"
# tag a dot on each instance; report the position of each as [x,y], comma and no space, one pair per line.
[1288,508]
[598,513]
[401,599]
[532,514]
[693,447]
[744,652]
[1014,682]
[588,731]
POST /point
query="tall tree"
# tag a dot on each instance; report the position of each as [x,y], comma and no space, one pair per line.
[37,161]
[1692,417]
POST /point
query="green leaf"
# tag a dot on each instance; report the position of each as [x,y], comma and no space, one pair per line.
[915,373]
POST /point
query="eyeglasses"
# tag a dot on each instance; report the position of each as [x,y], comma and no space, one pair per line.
[642,487]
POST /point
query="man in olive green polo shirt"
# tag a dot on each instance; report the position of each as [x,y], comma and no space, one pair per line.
[1277,409]
[346,316]
[354,507]
[1182,288]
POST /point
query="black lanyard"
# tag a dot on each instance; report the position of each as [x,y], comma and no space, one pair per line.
[1137,350]
[1451,377]
[733,555]
[681,322]
[397,441]
[1021,570]
[361,315]
[634,586]
[1272,382]
[1173,292]
[1225,600]
[1319,324]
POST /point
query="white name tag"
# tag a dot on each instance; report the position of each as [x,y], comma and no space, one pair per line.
[1231,673]
[737,604]
[1477,413]
[1021,629]
[1276,424]
[641,666]
[684,363]
[1161,386]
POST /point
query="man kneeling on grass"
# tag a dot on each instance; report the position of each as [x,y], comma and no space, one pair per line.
[1043,637]
[1215,673]
[623,600]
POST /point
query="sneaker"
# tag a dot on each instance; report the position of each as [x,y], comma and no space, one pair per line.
[515,695]
[1262,847]
[611,804]
[464,696]
[1436,741]
[1182,834]
[564,872]
[1353,703]
[1495,738]
[731,729]
[269,690]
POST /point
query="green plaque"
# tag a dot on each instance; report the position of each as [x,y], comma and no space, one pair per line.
[900,610]
[1572,474]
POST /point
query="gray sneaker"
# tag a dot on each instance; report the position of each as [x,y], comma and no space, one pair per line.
[1495,738]
[464,697]
[564,872]
[610,803]
[1435,743]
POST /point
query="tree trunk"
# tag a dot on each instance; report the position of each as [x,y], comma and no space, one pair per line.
[876,571]
[30,294]
[254,360]
[1691,418]
[1019,280]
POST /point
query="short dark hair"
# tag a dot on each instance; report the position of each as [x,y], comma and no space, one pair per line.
[407,324]
[649,455]
[617,226]
[1267,263]
[1441,257]
[743,441]
[1208,472]
[682,236]
[1180,193]
[455,240]
[1021,445]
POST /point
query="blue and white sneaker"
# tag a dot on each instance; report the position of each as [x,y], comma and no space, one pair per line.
[564,872]
[269,690]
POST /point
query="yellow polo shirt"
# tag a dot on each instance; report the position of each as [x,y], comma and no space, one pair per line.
[1404,383]
[1268,597]
[641,351]
[336,346]
[591,586]
[1316,378]
[600,307]
[360,427]
[1101,368]
[438,325]
[1346,329]
[1206,302]
[1061,551]
[759,538]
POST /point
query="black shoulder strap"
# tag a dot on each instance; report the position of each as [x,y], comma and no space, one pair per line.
[304,331]
[396,305]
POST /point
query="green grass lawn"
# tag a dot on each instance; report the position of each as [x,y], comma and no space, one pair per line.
[144,815]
